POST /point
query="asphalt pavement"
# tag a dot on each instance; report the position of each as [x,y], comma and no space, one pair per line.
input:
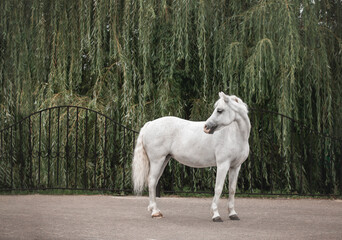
[110,217]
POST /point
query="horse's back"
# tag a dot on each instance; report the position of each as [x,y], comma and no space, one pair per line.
[166,130]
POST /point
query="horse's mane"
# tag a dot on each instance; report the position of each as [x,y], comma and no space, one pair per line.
[239,103]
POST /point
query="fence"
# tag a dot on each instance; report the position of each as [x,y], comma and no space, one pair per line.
[70,147]
[66,147]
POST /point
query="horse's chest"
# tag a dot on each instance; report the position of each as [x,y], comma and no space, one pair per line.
[236,152]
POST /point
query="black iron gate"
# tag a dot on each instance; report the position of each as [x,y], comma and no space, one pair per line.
[66,147]
[70,147]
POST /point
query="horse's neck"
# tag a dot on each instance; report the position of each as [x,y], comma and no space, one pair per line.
[244,125]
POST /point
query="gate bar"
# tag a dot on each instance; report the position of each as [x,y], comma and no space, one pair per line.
[57,168]
[76,150]
[105,153]
[40,143]
[30,150]
[113,157]
[341,169]
[261,154]
[124,160]
[11,157]
[49,148]
[95,153]
[67,150]
[85,151]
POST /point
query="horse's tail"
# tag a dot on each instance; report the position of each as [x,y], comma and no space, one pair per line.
[140,164]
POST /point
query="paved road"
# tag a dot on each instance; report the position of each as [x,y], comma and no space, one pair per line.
[108,217]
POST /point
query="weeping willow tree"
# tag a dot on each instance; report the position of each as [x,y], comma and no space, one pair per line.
[139,60]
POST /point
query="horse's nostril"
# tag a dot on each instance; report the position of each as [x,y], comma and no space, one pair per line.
[206,129]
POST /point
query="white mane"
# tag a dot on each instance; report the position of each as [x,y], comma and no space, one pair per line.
[239,103]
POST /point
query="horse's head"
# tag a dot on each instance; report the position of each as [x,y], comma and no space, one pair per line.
[223,115]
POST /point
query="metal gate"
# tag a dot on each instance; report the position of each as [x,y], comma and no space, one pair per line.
[71,147]
[66,147]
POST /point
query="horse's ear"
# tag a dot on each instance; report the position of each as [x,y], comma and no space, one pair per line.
[224,96]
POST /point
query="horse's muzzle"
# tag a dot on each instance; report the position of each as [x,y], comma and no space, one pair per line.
[209,129]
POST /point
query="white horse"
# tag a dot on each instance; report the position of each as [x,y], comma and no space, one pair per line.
[221,141]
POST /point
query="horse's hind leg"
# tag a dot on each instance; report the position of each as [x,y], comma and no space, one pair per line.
[156,170]
[233,176]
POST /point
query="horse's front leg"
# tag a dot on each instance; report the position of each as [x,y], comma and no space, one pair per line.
[222,170]
[233,176]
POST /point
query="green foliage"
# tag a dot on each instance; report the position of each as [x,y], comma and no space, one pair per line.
[139,60]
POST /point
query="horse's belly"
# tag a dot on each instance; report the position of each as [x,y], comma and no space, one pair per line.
[195,159]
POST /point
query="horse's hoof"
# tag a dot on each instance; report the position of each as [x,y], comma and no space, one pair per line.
[217,219]
[157,215]
[234,217]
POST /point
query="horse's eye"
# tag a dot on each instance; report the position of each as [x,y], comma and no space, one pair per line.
[219,110]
